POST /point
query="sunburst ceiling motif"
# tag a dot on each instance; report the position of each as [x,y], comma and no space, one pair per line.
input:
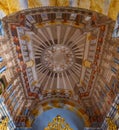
[59,51]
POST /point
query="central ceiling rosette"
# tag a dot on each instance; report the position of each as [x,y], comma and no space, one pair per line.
[58,51]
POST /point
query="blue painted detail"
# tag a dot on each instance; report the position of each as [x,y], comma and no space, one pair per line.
[24,4]
[1,28]
[71,2]
[1,59]
[9,88]
[16,106]
[23,129]
[107,87]
[26,112]
[114,70]
[13,92]
[116,60]
[76,123]
[3,69]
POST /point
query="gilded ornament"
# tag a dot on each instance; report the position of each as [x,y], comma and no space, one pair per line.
[58,123]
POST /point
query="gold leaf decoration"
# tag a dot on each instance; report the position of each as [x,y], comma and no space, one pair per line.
[10,6]
[34,3]
[97,5]
[113,9]
[84,4]
[62,3]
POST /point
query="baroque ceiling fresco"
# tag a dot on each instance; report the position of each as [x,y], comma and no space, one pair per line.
[64,57]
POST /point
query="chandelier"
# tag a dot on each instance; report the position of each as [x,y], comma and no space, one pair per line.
[58,123]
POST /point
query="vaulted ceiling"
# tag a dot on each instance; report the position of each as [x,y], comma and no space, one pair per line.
[63,59]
